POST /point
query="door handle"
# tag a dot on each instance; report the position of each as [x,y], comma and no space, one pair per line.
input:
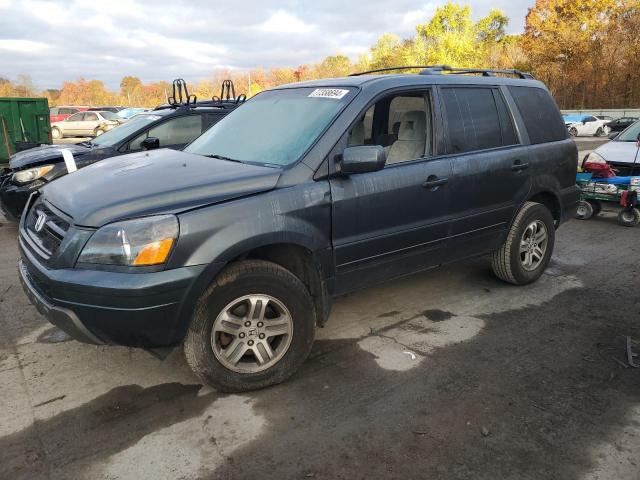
[518,166]
[434,182]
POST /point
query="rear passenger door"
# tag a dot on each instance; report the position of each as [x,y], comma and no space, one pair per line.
[491,174]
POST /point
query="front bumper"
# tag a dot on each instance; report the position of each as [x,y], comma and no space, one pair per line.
[129,309]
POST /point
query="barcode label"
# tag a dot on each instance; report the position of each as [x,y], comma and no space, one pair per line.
[336,93]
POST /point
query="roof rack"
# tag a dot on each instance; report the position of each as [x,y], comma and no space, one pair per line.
[439,69]
[181,98]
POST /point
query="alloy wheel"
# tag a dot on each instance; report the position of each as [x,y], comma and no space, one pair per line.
[533,245]
[252,333]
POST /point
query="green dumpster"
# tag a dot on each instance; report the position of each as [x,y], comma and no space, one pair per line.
[24,123]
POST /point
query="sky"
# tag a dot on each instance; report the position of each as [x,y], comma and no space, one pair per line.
[52,40]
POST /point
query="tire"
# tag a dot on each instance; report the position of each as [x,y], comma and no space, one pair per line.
[629,217]
[98,132]
[56,133]
[585,210]
[596,205]
[573,131]
[508,262]
[283,293]
[598,132]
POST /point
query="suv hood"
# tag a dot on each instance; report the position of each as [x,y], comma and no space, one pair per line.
[53,154]
[161,181]
[618,152]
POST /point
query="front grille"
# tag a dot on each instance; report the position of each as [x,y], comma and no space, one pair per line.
[45,229]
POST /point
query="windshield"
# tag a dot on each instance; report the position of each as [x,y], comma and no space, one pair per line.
[276,127]
[630,134]
[112,137]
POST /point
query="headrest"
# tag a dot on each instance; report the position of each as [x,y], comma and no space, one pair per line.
[412,126]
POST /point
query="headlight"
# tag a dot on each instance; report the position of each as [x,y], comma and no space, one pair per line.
[594,157]
[139,242]
[26,176]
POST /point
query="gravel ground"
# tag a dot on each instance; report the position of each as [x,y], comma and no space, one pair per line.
[448,374]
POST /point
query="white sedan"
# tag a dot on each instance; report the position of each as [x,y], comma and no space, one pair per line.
[85,124]
[586,125]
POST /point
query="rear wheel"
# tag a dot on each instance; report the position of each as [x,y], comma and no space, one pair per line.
[629,217]
[252,328]
[527,250]
[56,133]
[98,132]
[585,210]
[599,132]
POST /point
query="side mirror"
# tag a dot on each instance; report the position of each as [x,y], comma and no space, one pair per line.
[363,159]
[150,143]
[613,135]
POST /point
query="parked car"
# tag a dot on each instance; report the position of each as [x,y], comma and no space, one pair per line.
[106,109]
[171,127]
[586,125]
[236,245]
[85,124]
[620,124]
[620,152]
[58,114]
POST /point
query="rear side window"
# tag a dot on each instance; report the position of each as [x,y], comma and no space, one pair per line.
[540,114]
[477,119]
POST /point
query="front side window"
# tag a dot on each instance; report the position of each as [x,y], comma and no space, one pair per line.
[276,127]
[175,132]
[90,117]
[477,119]
[399,123]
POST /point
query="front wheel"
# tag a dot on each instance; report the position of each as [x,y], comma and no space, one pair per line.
[527,250]
[98,132]
[585,210]
[573,131]
[253,327]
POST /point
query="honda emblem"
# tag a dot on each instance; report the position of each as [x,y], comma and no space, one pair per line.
[42,219]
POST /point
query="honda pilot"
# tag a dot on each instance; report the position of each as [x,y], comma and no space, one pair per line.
[235,246]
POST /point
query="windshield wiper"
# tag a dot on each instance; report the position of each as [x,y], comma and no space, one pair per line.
[222,157]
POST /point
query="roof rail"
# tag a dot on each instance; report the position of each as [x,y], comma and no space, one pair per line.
[439,69]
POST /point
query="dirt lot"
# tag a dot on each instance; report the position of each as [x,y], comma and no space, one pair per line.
[449,374]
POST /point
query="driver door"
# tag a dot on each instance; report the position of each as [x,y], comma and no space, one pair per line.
[391,222]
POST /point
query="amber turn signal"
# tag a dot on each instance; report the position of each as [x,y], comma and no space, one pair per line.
[154,253]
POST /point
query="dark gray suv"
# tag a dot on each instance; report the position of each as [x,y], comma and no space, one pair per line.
[235,246]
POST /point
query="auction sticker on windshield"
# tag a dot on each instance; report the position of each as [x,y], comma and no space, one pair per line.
[336,93]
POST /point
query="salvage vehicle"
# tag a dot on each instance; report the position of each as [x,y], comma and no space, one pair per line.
[85,124]
[620,152]
[235,246]
[587,125]
[171,126]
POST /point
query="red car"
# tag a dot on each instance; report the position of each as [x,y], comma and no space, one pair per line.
[57,114]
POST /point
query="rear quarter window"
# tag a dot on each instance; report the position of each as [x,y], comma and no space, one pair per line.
[540,114]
